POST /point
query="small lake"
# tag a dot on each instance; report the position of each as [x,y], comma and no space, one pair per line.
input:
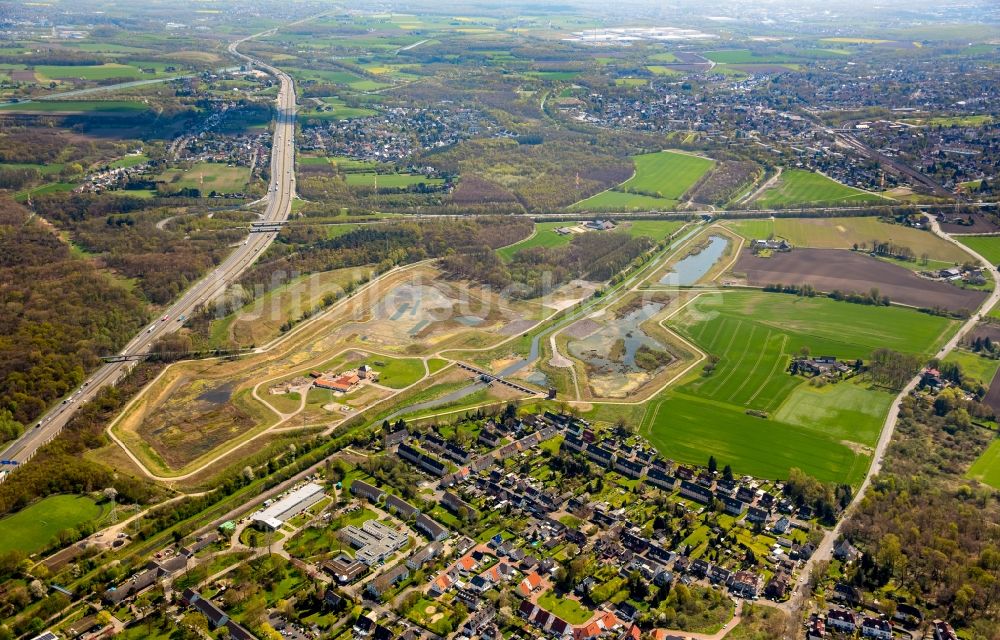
[693,268]
[595,349]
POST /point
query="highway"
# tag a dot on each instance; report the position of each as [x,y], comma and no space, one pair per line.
[281,190]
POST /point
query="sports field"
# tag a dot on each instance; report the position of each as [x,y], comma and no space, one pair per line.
[32,528]
[844,233]
[986,246]
[798,187]
[823,431]
[666,174]
[986,468]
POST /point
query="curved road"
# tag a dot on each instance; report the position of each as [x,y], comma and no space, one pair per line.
[281,190]
[825,549]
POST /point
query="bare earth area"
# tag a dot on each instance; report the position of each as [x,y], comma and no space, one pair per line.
[830,269]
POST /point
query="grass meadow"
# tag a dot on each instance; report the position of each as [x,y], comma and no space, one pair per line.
[986,246]
[844,233]
[660,180]
[32,528]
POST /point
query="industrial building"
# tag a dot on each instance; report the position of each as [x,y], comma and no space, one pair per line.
[374,541]
[290,506]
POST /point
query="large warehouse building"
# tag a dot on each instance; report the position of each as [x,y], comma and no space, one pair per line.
[288,507]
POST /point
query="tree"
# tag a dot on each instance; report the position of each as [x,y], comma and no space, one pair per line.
[727,472]
[713,466]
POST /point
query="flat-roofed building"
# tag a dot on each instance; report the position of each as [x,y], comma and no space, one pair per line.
[289,506]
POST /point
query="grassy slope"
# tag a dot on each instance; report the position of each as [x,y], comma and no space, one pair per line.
[666,174]
[797,187]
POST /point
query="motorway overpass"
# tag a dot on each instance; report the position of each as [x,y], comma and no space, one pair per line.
[281,190]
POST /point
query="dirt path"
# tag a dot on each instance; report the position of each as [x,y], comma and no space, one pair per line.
[770,182]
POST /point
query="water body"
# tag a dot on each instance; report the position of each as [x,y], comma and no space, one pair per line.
[694,267]
[514,367]
[458,394]
[217,395]
[596,348]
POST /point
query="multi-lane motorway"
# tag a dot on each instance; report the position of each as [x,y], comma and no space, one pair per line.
[281,190]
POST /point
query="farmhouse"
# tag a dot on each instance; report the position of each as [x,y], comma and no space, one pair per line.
[290,506]
[757,246]
[341,384]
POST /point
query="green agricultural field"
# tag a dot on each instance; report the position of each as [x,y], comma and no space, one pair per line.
[617,201]
[986,468]
[91,72]
[844,233]
[666,174]
[797,187]
[986,246]
[389,180]
[338,110]
[743,56]
[43,169]
[130,160]
[690,429]
[208,177]
[754,335]
[32,528]
[77,106]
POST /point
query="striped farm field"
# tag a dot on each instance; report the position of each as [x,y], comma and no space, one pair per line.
[754,336]
[797,187]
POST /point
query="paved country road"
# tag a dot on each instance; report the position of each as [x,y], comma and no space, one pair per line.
[824,550]
[281,190]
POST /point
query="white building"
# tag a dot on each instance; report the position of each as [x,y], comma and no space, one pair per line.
[290,506]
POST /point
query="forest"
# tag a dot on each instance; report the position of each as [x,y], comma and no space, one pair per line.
[925,526]
[61,314]
[302,250]
[535,271]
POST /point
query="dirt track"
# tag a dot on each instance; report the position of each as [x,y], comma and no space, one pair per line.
[830,269]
